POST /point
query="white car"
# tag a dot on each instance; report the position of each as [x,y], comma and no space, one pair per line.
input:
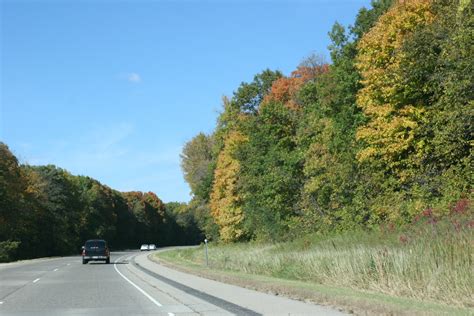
[151,247]
[144,247]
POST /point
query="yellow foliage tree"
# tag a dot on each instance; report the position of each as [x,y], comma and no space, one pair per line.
[390,133]
[225,202]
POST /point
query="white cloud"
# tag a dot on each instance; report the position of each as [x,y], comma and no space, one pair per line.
[134,77]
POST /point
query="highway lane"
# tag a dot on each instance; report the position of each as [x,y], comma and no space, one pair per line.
[64,286]
[131,286]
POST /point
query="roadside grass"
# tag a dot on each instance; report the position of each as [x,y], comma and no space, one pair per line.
[430,263]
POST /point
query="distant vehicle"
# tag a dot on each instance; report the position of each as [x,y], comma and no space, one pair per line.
[151,247]
[144,247]
[95,250]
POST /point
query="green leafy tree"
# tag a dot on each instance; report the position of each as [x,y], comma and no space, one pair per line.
[98,217]
[204,219]
[249,96]
[149,212]
[197,164]
[326,134]
[270,171]
[57,207]
[184,228]
[244,103]
[437,73]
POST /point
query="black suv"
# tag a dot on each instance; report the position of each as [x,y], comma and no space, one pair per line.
[95,250]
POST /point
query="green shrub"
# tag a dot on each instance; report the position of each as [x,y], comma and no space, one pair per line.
[8,250]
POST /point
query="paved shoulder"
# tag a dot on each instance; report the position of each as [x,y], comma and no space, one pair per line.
[251,300]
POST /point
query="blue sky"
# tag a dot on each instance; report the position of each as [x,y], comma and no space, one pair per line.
[113,89]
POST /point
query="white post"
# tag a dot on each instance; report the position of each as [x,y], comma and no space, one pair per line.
[207,258]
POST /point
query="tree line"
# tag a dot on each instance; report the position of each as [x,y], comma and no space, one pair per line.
[46,211]
[380,134]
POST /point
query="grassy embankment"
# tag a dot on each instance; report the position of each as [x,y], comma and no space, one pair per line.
[427,268]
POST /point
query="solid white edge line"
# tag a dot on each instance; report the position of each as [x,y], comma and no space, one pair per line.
[136,286]
[34,281]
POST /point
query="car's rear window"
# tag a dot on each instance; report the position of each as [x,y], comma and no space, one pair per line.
[95,244]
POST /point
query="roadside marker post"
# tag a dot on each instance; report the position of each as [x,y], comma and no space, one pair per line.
[207,258]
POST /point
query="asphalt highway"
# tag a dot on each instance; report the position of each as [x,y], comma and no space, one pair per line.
[130,285]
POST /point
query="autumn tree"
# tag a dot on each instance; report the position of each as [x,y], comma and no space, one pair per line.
[13,206]
[286,89]
[225,203]
[12,190]
[390,133]
[417,96]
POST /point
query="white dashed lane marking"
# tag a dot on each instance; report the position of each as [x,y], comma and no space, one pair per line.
[36,280]
[55,269]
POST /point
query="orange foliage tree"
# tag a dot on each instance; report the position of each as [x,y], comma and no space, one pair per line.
[285,89]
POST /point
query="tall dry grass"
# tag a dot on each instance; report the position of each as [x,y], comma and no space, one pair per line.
[431,260]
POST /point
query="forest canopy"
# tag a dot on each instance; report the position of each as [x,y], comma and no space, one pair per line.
[378,135]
